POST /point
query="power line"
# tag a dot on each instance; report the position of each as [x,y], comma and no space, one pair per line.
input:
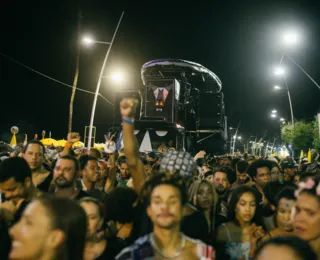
[46,76]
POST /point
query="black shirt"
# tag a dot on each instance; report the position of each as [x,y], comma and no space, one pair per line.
[45,185]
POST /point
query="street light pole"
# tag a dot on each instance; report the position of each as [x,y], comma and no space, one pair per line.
[235,137]
[306,73]
[290,103]
[288,91]
[99,83]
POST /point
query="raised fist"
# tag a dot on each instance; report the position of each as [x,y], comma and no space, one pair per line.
[128,108]
[73,138]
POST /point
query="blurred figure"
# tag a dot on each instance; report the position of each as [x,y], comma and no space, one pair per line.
[50,228]
[285,248]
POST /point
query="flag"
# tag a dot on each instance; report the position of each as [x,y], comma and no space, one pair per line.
[301,154]
[309,156]
[13,141]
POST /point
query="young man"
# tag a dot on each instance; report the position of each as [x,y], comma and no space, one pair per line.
[260,171]
[90,170]
[166,201]
[17,187]
[65,174]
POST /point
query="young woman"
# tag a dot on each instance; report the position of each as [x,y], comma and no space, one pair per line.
[49,229]
[306,215]
[237,238]
[96,242]
[285,202]
[203,195]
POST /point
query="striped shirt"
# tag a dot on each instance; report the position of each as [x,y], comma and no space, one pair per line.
[143,250]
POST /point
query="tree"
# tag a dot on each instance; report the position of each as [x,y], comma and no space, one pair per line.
[316,136]
[301,136]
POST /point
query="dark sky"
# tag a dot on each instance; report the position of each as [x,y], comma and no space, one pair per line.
[237,40]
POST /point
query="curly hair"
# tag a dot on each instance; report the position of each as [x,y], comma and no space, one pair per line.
[157,179]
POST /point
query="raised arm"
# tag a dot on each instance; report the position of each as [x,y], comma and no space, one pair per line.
[128,110]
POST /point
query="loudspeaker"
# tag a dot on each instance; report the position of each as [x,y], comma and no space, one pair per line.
[161,99]
[211,110]
[119,95]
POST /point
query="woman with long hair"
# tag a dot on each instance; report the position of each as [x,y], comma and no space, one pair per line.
[237,238]
[96,243]
[50,228]
[203,195]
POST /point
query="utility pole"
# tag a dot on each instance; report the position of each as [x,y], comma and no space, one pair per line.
[76,75]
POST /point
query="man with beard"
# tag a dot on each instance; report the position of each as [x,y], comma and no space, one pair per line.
[34,154]
[166,200]
[65,173]
[17,187]
[221,182]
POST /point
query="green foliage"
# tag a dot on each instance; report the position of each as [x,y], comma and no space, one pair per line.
[301,136]
[316,140]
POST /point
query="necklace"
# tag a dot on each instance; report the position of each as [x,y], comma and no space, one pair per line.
[159,251]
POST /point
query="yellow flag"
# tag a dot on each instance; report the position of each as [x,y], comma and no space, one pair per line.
[309,156]
[301,154]
[13,141]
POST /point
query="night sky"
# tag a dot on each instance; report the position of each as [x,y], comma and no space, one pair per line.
[237,40]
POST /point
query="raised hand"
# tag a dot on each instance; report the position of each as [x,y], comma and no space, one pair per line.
[128,108]
[73,138]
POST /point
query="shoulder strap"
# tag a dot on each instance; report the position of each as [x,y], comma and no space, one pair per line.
[228,232]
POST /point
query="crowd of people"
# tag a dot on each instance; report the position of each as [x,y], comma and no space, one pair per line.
[123,204]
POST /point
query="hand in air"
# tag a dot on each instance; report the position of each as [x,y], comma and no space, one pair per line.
[128,107]
[73,138]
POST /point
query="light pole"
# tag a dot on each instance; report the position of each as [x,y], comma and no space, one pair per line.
[89,41]
[234,138]
[291,39]
[281,72]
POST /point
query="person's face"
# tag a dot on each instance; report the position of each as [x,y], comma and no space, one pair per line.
[32,235]
[64,173]
[225,161]
[275,174]
[289,174]
[102,171]
[306,220]
[13,190]
[91,171]
[263,176]
[205,196]
[124,171]
[276,252]
[94,218]
[165,209]
[204,169]
[284,214]
[246,208]
[34,155]
[221,182]
[243,177]
[296,180]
